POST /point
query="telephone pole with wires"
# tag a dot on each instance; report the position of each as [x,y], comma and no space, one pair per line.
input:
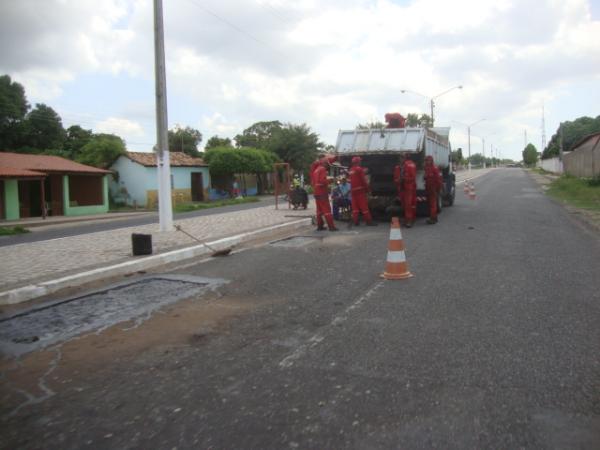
[163,165]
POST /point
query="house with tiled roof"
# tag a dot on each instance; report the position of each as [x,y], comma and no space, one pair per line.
[40,185]
[136,179]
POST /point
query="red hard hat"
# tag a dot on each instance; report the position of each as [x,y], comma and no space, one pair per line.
[356,160]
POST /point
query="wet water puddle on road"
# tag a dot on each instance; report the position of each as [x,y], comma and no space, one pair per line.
[135,300]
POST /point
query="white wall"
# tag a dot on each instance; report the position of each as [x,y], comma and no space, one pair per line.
[553,165]
[135,179]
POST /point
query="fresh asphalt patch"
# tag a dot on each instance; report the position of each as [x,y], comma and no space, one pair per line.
[61,320]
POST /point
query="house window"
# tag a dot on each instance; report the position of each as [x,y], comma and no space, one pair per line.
[172,182]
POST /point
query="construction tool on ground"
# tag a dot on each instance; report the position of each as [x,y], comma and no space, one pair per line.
[215,252]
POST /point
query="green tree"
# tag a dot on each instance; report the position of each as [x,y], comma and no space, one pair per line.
[224,161]
[457,156]
[77,138]
[414,120]
[425,121]
[42,130]
[216,141]
[258,135]
[295,144]
[530,155]
[13,107]
[369,125]
[185,140]
[102,150]
[476,159]
[573,132]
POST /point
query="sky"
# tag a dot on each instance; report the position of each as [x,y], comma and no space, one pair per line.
[330,64]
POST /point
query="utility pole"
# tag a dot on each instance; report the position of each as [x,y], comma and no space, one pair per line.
[163,166]
[483,149]
[469,141]
[543,128]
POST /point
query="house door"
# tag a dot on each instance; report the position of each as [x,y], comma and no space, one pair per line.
[197,187]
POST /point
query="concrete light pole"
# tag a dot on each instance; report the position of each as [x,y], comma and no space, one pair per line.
[431,99]
[163,166]
[469,136]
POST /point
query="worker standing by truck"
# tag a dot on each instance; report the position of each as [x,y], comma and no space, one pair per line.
[321,193]
[409,191]
[433,185]
[359,189]
[398,176]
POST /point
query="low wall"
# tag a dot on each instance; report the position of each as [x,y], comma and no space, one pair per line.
[584,160]
[553,165]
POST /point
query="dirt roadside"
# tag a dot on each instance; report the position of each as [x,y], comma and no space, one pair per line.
[588,218]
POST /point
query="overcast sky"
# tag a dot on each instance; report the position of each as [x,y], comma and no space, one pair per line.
[328,63]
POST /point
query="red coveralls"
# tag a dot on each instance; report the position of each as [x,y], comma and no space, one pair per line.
[409,191]
[321,192]
[360,188]
[313,167]
[433,185]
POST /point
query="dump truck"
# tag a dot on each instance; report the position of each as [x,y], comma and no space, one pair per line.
[380,148]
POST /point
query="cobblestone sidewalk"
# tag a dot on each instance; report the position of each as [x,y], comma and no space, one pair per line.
[36,262]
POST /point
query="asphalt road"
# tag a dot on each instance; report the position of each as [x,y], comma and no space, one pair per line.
[78,228]
[494,343]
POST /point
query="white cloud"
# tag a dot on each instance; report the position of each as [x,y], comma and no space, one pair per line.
[125,128]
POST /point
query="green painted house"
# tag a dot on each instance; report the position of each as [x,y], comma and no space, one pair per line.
[41,185]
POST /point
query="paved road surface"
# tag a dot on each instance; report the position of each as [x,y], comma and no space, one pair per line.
[493,344]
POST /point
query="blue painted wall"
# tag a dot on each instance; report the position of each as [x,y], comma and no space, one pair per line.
[135,180]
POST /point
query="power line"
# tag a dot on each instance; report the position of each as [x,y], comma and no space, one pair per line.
[236,28]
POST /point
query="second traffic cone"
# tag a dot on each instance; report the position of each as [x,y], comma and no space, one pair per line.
[466,188]
[472,195]
[395,266]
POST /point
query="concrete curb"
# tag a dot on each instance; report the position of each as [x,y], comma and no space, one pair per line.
[32,291]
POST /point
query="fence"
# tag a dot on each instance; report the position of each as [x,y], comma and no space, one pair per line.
[553,165]
[585,160]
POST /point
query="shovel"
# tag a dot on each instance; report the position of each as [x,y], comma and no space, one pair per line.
[224,252]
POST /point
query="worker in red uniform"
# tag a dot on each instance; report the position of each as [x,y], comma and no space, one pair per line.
[433,185]
[321,193]
[359,190]
[313,167]
[409,191]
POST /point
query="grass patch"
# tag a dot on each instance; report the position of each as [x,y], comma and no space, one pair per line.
[576,191]
[9,231]
[187,207]
[541,171]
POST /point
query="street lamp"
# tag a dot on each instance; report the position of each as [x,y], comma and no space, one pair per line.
[431,99]
[469,136]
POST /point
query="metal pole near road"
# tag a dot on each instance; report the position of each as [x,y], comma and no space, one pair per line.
[469,136]
[163,166]
[431,99]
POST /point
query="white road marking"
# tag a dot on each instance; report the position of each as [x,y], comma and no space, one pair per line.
[319,337]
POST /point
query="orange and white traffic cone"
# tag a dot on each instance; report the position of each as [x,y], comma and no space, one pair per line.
[466,188]
[472,195]
[395,266]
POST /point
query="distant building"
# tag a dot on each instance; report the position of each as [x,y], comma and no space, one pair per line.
[584,158]
[40,185]
[136,180]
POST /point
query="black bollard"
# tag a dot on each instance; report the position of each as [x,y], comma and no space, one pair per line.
[141,244]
